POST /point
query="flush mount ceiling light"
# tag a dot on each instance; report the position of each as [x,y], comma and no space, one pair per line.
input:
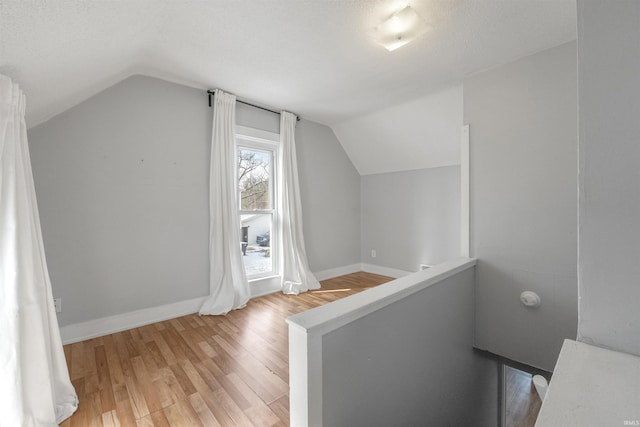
[402,27]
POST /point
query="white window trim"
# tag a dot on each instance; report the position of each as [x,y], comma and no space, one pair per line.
[264,140]
[245,132]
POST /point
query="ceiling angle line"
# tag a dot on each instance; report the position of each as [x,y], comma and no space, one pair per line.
[213,93]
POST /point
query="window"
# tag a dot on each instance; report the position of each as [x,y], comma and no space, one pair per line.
[256,171]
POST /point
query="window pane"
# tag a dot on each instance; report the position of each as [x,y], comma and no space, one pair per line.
[254,179]
[256,246]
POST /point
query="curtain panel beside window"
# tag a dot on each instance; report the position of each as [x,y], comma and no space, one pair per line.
[228,285]
[35,389]
[296,274]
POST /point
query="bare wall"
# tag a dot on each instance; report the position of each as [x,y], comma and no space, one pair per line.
[122,187]
[411,218]
[330,193]
[523,152]
[609,106]
[411,363]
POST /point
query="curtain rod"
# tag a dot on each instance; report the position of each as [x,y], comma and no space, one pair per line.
[212,93]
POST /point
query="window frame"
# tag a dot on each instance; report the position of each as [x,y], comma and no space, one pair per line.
[260,140]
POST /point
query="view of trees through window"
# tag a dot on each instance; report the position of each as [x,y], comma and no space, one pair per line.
[255,194]
[254,179]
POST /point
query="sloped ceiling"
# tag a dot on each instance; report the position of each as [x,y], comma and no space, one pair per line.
[312,57]
[421,133]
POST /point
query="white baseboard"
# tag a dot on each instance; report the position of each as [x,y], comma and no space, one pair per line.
[338,271]
[121,322]
[384,271]
[354,268]
[266,286]
[271,285]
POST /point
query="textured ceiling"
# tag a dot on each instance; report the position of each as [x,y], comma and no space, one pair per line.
[312,57]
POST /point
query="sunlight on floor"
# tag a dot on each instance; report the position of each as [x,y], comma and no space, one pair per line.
[331,290]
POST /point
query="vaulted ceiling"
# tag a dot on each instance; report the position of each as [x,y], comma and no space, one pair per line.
[312,57]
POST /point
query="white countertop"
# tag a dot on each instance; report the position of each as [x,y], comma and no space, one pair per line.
[592,386]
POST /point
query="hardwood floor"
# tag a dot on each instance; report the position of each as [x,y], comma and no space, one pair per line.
[522,402]
[198,370]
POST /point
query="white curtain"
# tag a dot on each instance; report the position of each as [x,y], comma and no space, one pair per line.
[35,389]
[296,275]
[229,288]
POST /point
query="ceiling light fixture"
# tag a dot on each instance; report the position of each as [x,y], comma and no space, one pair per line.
[402,27]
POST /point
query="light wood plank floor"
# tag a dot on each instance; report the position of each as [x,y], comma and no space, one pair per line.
[198,370]
[522,402]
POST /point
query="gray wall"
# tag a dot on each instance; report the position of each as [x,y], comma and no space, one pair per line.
[330,193]
[523,153]
[411,363]
[256,118]
[411,218]
[609,106]
[122,182]
[122,187]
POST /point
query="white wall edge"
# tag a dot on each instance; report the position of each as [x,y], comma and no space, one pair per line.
[306,331]
[326,318]
[305,378]
[384,271]
[338,271]
[133,319]
[465,213]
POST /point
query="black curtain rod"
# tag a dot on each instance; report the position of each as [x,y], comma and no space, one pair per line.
[212,93]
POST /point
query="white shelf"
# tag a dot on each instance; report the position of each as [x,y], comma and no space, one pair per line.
[592,386]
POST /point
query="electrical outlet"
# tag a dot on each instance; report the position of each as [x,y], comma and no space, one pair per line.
[373,253]
[57,302]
